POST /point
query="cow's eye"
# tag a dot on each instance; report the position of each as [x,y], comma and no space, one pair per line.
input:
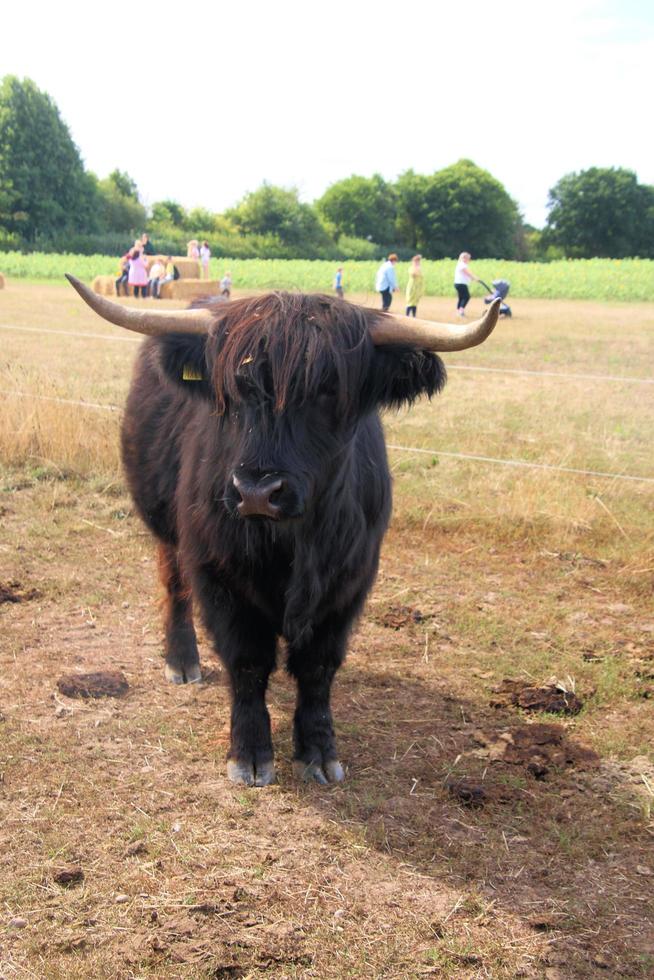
[326,399]
[245,384]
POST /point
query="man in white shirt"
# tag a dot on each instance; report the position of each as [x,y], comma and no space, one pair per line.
[386,281]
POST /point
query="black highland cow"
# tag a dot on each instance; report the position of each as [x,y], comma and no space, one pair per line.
[254,452]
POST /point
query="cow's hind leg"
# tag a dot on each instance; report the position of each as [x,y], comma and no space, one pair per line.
[314,667]
[182,658]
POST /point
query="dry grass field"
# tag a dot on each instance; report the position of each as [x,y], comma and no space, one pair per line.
[474,837]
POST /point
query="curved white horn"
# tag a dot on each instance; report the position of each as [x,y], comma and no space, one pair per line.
[151,322]
[390,329]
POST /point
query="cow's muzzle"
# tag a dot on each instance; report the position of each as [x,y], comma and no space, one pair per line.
[268,496]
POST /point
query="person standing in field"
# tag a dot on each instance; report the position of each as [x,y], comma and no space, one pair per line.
[192,250]
[205,255]
[415,287]
[338,282]
[138,274]
[386,281]
[463,275]
[226,285]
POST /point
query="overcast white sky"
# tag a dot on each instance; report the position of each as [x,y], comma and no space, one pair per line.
[201,102]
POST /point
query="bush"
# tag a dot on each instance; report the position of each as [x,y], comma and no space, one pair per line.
[357,248]
[9,241]
[107,243]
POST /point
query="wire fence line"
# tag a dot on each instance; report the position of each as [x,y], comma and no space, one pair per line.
[105,406]
[520,463]
[551,374]
[70,333]
[450,367]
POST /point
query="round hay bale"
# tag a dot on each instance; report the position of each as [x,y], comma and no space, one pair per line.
[188,268]
[104,285]
[2,281]
[188,289]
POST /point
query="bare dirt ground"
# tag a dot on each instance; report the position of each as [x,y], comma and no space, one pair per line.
[471,838]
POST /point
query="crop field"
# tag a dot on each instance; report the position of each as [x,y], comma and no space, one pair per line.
[494,714]
[590,279]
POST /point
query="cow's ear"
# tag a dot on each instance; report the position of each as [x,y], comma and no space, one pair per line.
[182,359]
[400,375]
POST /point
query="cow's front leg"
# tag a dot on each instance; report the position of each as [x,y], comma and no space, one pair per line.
[246,646]
[314,666]
[182,658]
[250,758]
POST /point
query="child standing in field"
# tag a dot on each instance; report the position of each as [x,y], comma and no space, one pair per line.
[138,274]
[463,275]
[338,282]
[415,287]
[226,285]
[205,255]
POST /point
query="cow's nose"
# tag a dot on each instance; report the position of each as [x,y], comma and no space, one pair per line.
[256,496]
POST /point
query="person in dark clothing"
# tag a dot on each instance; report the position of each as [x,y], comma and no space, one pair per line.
[146,245]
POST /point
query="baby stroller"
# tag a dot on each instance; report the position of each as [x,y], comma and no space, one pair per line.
[500,291]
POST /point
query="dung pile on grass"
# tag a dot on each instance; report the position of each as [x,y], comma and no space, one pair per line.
[99,684]
[553,697]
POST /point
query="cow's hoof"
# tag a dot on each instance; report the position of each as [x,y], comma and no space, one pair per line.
[265,774]
[246,774]
[330,772]
[183,675]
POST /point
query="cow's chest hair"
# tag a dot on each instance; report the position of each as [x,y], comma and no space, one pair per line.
[275,562]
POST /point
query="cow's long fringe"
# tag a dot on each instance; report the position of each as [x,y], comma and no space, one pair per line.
[308,340]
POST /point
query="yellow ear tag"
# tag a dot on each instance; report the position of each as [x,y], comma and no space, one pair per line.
[189,373]
[247,360]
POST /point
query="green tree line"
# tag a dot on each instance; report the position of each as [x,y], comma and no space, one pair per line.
[50,202]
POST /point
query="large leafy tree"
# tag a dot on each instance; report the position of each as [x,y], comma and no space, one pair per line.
[169,213]
[601,212]
[43,186]
[363,207]
[412,214]
[278,211]
[460,208]
[124,184]
[119,208]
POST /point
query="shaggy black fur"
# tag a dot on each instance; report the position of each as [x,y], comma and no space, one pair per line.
[290,390]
